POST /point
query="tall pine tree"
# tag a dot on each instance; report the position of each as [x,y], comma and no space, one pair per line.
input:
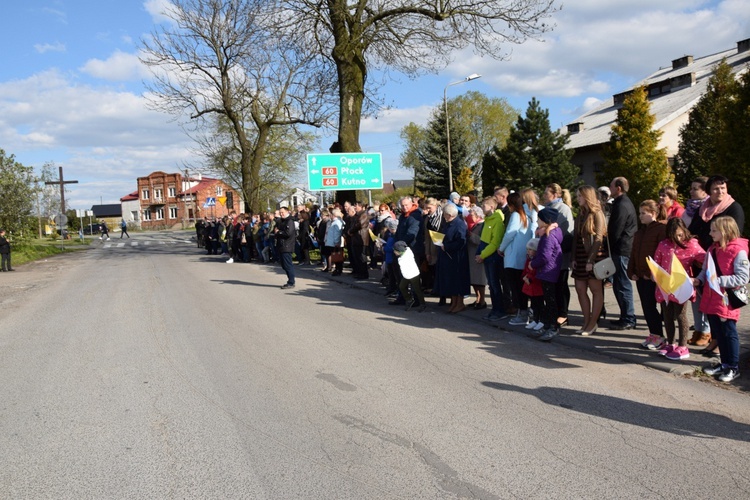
[633,150]
[533,156]
[733,142]
[432,177]
[697,153]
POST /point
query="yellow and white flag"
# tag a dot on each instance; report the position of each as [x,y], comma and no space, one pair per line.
[676,283]
[437,238]
[712,278]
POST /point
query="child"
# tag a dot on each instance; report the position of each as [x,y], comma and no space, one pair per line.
[729,255]
[653,217]
[681,245]
[532,286]
[547,262]
[409,276]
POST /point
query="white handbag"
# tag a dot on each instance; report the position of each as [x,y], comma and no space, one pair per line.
[605,267]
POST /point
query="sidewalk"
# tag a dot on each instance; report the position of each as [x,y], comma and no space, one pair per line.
[622,345]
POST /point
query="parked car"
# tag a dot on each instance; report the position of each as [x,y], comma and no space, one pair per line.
[91,229]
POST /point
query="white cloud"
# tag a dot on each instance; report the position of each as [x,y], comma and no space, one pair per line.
[157,10]
[393,120]
[598,42]
[49,47]
[95,133]
[120,66]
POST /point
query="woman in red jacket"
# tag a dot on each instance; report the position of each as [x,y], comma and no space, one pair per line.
[730,270]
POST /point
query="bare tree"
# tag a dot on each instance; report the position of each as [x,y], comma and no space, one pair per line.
[410,36]
[282,159]
[222,57]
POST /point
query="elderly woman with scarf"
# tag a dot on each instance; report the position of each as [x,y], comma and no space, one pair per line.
[719,202]
[452,274]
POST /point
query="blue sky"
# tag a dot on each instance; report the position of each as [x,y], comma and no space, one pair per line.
[71,86]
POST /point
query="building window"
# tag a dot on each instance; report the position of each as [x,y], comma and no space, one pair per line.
[219,191]
[159,214]
[147,215]
[172,212]
[144,194]
[134,216]
[158,194]
[172,191]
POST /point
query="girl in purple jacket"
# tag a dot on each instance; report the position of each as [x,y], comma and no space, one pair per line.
[547,263]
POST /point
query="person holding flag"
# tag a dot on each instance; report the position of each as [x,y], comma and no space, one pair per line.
[671,269]
[726,267]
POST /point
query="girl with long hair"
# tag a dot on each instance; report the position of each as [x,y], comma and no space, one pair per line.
[588,248]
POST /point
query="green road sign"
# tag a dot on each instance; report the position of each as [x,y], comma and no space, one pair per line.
[337,172]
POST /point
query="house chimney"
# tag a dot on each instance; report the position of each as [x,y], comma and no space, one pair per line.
[743,45]
[682,62]
[575,127]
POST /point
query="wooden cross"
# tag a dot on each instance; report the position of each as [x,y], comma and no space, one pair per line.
[62,183]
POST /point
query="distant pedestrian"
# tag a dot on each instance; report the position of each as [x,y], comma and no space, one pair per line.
[5,252]
[104,230]
[124,227]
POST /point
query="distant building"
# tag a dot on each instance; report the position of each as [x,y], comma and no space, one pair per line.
[131,209]
[393,185]
[111,214]
[298,197]
[672,92]
[168,200]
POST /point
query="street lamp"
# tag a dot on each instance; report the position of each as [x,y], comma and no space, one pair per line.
[469,78]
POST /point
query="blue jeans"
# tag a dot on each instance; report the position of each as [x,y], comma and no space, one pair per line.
[288,266]
[700,320]
[623,289]
[492,267]
[725,333]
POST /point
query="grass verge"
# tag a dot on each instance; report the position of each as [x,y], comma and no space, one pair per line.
[39,249]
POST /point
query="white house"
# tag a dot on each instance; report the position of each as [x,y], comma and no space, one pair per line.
[672,91]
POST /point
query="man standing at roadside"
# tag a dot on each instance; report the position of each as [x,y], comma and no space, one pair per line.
[620,231]
[5,252]
[286,237]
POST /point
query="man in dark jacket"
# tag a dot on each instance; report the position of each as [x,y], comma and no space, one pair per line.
[620,231]
[286,237]
[5,252]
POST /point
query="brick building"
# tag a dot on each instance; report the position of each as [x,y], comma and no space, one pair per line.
[168,200]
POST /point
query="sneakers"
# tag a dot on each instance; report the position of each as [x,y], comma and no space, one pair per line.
[230,261]
[521,318]
[713,369]
[531,325]
[677,353]
[538,326]
[665,349]
[729,374]
[652,342]
[548,335]
[287,286]
[535,334]
[494,317]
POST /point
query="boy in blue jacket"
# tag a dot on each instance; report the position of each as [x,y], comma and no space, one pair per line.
[547,263]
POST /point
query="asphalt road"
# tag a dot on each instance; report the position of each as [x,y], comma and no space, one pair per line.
[154,371]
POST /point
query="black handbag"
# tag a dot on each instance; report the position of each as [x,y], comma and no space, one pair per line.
[736,297]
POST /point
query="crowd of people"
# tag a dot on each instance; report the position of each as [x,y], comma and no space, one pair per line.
[524,249]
